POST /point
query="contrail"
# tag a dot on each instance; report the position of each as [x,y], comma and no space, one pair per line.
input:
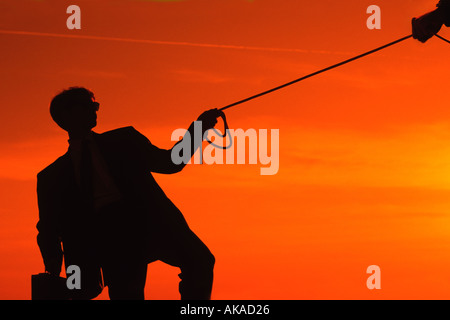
[170,43]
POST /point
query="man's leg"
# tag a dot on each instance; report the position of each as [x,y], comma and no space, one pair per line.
[118,238]
[185,250]
[125,281]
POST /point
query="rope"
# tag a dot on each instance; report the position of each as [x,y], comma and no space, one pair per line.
[442,38]
[315,73]
[226,131]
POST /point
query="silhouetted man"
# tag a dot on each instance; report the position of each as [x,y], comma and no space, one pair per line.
[101,202]
[430,23]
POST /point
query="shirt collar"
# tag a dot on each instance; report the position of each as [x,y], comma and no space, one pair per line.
[76,142]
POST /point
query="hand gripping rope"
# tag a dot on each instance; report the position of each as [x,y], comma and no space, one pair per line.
[226,131]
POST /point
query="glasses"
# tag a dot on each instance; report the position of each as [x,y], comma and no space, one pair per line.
[85,105]
[91,104]
[96,105]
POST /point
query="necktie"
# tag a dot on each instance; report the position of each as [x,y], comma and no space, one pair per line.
[86,171]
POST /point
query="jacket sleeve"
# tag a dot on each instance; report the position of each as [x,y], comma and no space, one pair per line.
[160,160]
[48,239]
[444,7]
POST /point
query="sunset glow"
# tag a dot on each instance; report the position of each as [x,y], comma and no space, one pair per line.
[364,149]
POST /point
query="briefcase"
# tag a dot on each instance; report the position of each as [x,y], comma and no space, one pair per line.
[45,286]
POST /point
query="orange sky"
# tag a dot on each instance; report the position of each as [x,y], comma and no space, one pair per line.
[364,173]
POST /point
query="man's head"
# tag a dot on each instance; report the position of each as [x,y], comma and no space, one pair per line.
[75,110]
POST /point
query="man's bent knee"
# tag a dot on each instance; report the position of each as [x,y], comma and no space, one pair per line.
[209,260]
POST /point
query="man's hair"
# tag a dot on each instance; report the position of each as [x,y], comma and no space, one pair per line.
[68,98]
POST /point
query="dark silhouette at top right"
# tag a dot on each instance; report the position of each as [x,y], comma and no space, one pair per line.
[429,24]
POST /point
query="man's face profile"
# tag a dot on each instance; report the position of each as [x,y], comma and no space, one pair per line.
[83,116]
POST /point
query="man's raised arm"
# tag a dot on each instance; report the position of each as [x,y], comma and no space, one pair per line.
[159,160]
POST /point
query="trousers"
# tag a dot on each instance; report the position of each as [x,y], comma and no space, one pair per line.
[128,248]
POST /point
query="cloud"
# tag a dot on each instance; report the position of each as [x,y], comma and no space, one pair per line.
[171,43]
[190,75]
[23,160]
[94,73]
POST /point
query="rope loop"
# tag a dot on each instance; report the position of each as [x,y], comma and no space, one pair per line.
[226,132]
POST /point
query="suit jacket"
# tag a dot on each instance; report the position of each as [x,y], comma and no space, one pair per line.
[67,218]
